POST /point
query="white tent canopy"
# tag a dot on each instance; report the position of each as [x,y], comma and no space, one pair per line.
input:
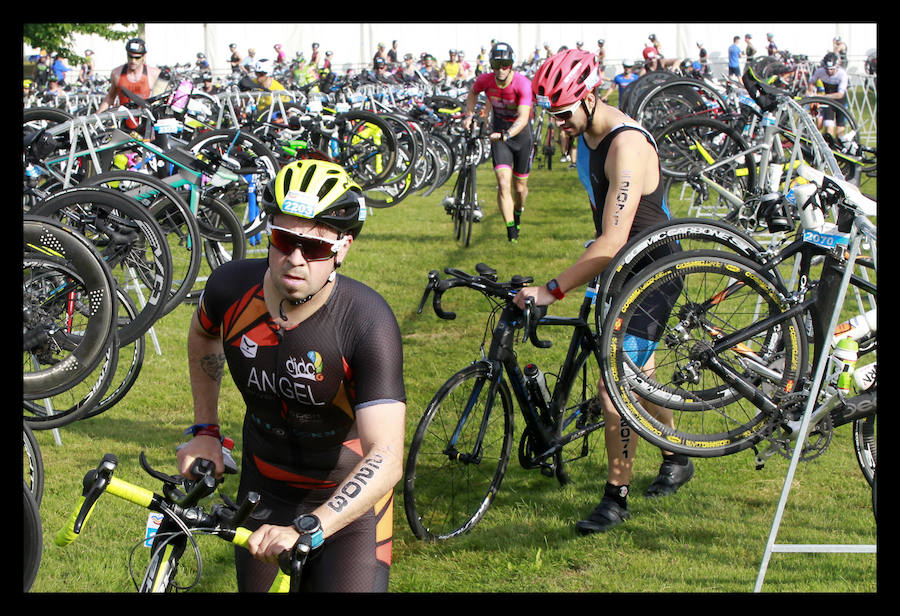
[354,44]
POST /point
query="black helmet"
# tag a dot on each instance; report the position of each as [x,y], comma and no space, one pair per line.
[830,60]
[136,46]
[502,52]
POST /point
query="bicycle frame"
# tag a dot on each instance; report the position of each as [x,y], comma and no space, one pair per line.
[770,150]
[546,424]
[822,302]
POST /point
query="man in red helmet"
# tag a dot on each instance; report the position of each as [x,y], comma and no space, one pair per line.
[619,167]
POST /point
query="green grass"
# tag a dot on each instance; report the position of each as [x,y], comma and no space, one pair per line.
[708,538]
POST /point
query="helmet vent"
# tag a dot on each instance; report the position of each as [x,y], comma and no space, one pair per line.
[327,185]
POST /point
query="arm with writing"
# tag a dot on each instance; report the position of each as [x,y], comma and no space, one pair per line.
[626,168]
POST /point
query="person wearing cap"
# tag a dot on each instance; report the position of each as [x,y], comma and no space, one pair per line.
[86,73]
[134,75]
[840,48]
[450,68]
[771,47]
[703,57]
[750,51]
[622,81]
[508,93]
[601,55]
[263,77]
[202,63]
[280,55]
[235,59]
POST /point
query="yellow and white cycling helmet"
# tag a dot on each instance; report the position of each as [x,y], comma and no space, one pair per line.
[317,190]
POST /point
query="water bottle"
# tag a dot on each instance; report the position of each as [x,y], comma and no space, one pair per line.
[864,378]
[846,353]
[857,327]
[181,96]
[537,385]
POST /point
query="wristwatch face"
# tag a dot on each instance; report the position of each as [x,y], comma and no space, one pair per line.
[308,522]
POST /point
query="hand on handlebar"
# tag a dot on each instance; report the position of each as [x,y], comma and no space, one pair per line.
[541,296]
[268,542]
[200,447]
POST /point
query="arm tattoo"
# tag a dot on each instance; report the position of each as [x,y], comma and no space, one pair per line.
[213,366]
[352,487]
[622,195]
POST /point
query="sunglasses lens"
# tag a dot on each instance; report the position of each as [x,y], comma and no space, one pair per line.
[497,64]
[313,249]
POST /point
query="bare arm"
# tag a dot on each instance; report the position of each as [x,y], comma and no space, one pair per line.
[206,365]
[626,167]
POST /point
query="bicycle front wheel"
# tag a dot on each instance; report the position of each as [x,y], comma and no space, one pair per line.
[459,454]
[688,303]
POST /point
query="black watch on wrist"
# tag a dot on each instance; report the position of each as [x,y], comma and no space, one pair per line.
[554,289]
[308,524]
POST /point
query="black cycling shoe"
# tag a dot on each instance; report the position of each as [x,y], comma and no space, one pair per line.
[671,477]
[606,515]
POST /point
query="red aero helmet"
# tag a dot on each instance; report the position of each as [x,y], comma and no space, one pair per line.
[563,79]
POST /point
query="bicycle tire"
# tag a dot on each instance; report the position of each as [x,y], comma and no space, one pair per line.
[101,214]
[865,443]
[661,105]
[367,147]
[250,151]
[50,245]
[76,401]
[127,372]
[222,233]
[710,417]
[850,166]
[689,146]
[658,241]
[174,217]
[445,492]
[33,536]
[33,463]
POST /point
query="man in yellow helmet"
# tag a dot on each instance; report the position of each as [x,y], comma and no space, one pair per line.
[317,357]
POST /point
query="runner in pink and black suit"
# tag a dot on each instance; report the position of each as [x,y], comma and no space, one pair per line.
[509,94]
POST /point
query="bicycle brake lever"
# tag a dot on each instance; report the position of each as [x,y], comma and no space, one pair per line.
[432,282]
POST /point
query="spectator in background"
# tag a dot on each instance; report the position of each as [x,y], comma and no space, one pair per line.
[392,54]
[86,73]
[235,59]
[622,80]
[840,48]
[771,47]
[60,68]
[280,56]
[734,58]
[249,62]
[750,50]
[704,58]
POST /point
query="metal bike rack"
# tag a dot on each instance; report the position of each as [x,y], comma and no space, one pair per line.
[771,545]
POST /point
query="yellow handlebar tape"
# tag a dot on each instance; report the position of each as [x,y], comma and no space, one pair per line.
[130,492]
